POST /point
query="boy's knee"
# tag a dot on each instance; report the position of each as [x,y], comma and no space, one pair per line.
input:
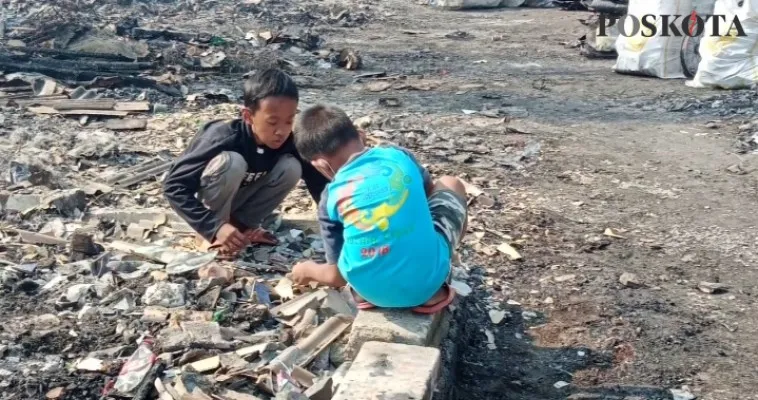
[229,166]
[287,171]
[452,183]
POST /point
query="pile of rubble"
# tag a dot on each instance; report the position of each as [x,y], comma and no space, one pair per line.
[165,318]
[747,141]
[98,273]
[732,104]
[157,45]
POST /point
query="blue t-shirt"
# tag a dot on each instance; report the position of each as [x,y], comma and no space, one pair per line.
[378,229]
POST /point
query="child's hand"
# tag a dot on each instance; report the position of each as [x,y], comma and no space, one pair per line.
[301,272]
[231,237]
[325,274]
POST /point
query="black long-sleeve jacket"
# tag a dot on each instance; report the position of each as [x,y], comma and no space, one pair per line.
[183,180]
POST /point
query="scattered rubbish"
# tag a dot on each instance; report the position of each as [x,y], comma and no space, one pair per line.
[630,280]
[126,124]
[682,394]
[564,278]
[611,233]
[389,102]
[490,339]
[560,385]
[350,59]
[55,393]
[91,365]
[164,294]
[136,367]
[529,315]
[712,287]
[497,316]
[460,287]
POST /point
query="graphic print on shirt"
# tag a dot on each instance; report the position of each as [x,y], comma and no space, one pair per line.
[392,190]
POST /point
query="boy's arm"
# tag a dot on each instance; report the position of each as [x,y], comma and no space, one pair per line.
[332,235]
[325,274]
[183,182]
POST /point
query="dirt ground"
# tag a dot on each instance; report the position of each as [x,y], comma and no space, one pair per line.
[611,156]
[657,178]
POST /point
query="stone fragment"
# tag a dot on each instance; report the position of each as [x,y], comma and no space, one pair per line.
[164,294]
[215,271]
[67,202]
[630,280]
[54,393]
[22,202]
[682,394]
[193,334]
[392,326]
[391,371]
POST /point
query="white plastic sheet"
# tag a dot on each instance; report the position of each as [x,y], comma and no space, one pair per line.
[729,61]
[469,4]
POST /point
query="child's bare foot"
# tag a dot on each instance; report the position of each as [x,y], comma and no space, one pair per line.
[441,295]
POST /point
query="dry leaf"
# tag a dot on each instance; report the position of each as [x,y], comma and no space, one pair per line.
[471,189]
[509,251]
[610,233]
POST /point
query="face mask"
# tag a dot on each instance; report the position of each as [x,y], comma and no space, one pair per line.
[326,169]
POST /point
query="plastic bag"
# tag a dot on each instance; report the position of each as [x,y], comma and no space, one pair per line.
[643,54]
[729,61]
[136,368]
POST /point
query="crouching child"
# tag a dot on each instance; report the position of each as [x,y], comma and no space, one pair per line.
[389,229]
[234,173]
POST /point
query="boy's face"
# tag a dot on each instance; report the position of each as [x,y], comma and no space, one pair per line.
[272,121]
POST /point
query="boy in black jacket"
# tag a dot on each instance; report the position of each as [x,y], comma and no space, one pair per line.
[235,173]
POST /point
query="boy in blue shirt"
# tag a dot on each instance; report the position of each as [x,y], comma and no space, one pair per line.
[389,230]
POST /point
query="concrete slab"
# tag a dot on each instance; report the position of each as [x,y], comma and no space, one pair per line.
[392,326]
[384,371]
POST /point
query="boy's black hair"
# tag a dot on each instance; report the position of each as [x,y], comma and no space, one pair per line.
[323,129]
[267,83]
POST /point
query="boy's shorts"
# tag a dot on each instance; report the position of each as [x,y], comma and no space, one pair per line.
[449,214]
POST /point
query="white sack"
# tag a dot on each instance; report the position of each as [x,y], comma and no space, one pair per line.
[655,56]
[729,61]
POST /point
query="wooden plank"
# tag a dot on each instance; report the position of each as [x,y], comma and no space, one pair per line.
[26,101]
[51,111]
[109,113]
[64,103]
[91,104]
[132,106]
[126,124]
[37,238]
[43,110]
